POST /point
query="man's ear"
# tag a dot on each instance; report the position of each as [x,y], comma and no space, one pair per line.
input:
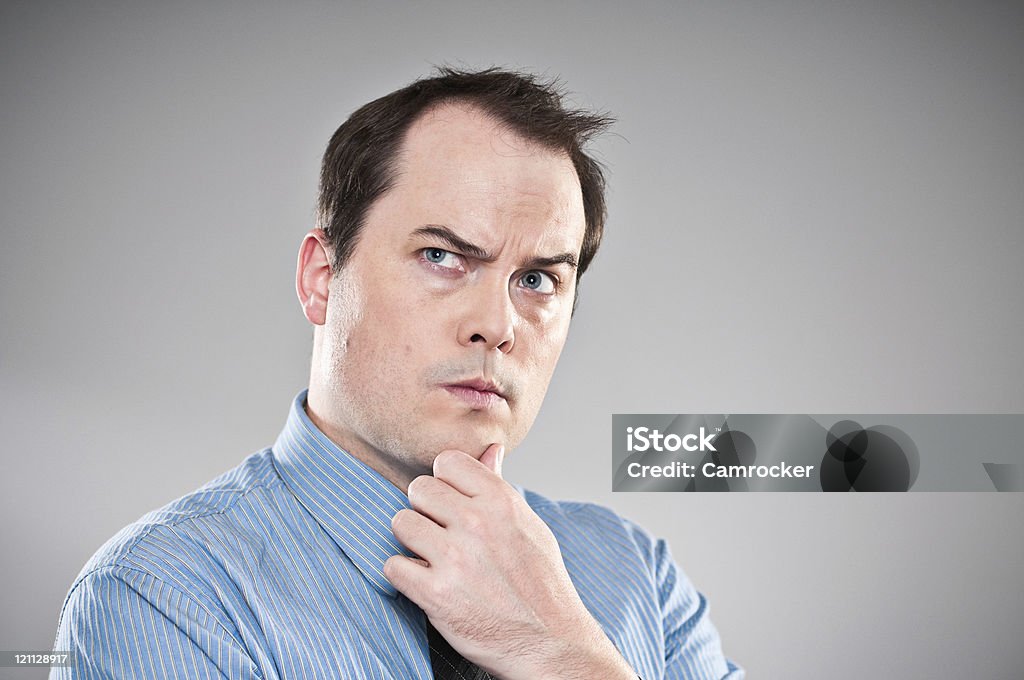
[313,276]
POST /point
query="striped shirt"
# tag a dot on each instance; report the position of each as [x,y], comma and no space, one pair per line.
[275,570]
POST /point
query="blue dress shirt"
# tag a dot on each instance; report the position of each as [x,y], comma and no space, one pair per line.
[274,570]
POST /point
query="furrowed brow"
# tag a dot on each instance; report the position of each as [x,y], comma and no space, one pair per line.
[460,244]
[564,258]
[455,241]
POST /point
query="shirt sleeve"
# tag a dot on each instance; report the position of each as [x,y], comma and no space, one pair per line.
[693,648]
[122,622]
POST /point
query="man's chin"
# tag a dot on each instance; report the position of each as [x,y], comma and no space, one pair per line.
[474,448]
[472,440]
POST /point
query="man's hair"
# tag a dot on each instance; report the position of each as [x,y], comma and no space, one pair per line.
[360,162]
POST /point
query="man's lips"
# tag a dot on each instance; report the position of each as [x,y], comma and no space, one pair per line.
[478,393]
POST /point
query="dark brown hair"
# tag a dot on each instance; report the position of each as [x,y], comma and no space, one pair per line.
[359,164]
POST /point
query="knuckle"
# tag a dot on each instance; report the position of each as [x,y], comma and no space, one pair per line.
[439,592]
[473,521]
[452,555]
[504,506]
[450,588]
[456,559]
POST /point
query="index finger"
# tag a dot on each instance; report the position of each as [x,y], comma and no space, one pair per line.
[464,473]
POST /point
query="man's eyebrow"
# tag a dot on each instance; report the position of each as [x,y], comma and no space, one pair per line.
[455,241]
[477,253]
[563,258]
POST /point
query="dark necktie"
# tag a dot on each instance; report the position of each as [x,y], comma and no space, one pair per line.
[449,664]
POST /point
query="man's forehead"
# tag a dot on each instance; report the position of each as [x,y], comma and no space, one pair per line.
[452,135]
[462,168]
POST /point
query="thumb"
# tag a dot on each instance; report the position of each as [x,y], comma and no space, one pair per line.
[493,457]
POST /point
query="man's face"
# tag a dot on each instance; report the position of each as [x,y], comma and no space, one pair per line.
[444,327]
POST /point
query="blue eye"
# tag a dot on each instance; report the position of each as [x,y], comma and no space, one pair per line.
[441,258]
[538,281]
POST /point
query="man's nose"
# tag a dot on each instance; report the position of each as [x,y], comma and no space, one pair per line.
[489,317]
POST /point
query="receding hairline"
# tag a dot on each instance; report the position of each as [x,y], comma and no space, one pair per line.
[506,130]
[468,104]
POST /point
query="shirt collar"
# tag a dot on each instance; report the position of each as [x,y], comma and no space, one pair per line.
[349,499]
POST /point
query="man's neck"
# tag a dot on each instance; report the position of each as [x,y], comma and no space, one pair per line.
[379,461]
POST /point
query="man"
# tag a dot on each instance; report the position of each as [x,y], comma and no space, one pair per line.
[376,538]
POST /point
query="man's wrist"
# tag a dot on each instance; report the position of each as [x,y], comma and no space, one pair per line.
[588,654]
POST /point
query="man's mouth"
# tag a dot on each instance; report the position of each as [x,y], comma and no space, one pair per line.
[478,393]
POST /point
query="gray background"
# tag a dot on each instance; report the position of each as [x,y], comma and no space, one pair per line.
[815,207]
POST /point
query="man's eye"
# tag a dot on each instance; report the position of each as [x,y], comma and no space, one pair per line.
[441,257]
[540,282]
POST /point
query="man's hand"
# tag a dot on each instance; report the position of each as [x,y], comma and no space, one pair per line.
[491,577]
